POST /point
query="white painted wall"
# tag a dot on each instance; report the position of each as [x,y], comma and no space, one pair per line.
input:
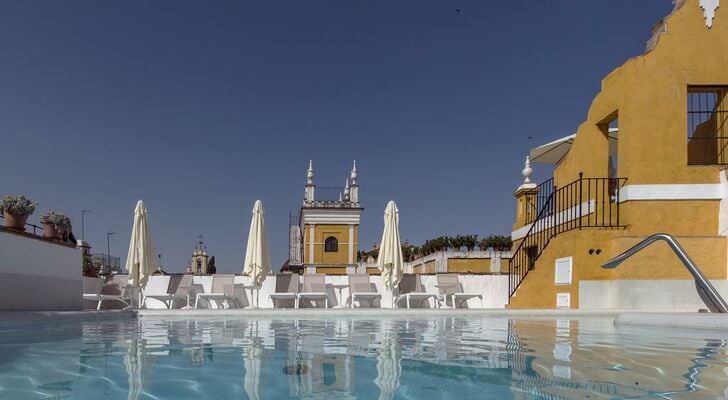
[493,287]
[673,295]
[38,275]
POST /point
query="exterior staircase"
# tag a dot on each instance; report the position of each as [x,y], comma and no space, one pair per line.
[584,203]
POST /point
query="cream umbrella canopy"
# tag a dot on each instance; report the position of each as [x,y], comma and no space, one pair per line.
[390,260]
[257,257]
[389,367]
[141,261]
[133,363]
[253,364]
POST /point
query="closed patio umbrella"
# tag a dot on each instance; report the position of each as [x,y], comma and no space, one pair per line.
[252,361]
[141,261]
[257,257]
[133,363]
[390,260]
[389,368]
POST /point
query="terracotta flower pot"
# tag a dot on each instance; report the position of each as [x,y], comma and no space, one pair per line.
[14,222]
[50,232]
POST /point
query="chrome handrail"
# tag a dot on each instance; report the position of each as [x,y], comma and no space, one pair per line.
[706,291]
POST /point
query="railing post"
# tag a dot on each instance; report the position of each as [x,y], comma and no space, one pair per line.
[581,176]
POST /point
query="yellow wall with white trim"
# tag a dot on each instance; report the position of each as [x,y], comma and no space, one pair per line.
[648,95]
[321,233]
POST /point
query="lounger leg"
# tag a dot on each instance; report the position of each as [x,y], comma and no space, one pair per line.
[98,306]
[197,301]
[326,302]
[408,301]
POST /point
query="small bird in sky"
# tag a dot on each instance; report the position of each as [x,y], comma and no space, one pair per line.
[530,137]
[457,10]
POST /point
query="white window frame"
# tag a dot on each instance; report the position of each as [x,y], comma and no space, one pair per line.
[570,260]
[565,297]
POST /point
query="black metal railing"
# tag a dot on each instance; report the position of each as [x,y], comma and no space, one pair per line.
[537,201]
[36,230]
[584,203]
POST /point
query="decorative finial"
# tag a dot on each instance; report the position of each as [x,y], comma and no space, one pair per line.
[346,190]
[309,173]
[709,7]
[354,174]
[527,170]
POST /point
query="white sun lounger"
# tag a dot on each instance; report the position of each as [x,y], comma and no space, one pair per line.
[157,288]
[410,289]
[360,288]
[314,288]
[113,289]
[223,288]
[183,291]
[286,290]
[449,286]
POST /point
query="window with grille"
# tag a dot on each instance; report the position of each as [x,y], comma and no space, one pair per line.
[331,245]
[706,130]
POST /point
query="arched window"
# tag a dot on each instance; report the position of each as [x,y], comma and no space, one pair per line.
[331,245]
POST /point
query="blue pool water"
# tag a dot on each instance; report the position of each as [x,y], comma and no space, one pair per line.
[431,358]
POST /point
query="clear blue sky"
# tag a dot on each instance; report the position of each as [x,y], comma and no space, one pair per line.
[200,108]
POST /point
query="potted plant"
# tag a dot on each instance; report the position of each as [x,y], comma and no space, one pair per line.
[443,243]
[55,225]
[487,243]
[16,210]
[470,241]
[426,248]
[49,227]
[90,268]
[457,242]
[503,243]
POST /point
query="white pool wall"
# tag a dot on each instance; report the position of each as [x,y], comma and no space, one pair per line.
[37,274]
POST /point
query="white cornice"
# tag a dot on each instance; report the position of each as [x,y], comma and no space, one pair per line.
[345,216]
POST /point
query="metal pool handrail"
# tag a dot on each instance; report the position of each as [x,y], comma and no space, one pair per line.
[706,291]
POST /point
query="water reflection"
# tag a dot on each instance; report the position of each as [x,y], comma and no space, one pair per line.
[358,358]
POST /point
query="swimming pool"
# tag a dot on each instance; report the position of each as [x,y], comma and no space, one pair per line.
[363,358]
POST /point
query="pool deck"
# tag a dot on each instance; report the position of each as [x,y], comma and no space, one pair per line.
[373,312]
[673,320]
[622,318]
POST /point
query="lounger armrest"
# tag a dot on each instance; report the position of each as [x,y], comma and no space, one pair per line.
[187,291]
[290,295]
[312,294]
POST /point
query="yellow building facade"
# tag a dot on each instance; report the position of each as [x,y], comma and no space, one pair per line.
[326,236]
[650,157]
[480,262]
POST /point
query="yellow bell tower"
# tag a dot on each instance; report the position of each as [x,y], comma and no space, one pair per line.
[328,225]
